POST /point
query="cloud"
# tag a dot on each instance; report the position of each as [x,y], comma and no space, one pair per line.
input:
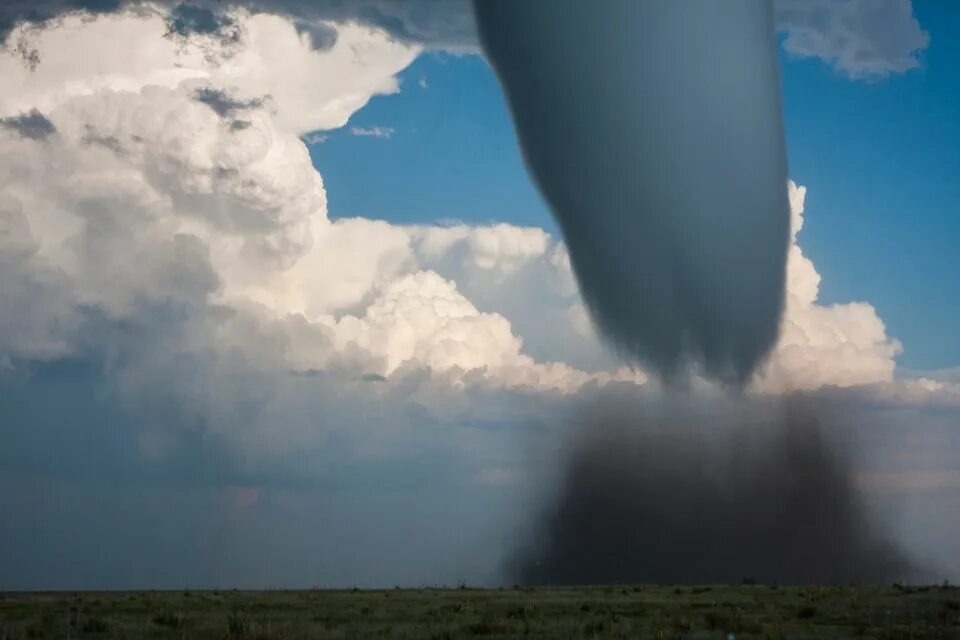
[31,124]
[223,104]
[187,19]
[859,38]
[843,344]
[770,477]
[225,219]
[219,218]
[444,24]
[315,138]
[375,132]
[272,61]
[38,320]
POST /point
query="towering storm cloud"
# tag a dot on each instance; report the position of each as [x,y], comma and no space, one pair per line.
[654,131]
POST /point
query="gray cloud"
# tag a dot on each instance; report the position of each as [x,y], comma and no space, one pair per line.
[92,137]
[322,36]
[436,23]
[166,472]
[860,38]
[224,104]
[13,12]
[187,19]
[32,124]
[385,478]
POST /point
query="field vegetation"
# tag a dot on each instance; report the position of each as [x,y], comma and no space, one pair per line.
[747,611]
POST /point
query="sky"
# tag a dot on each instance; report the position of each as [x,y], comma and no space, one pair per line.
[281,305]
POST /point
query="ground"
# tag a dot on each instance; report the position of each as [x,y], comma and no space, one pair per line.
[600,612]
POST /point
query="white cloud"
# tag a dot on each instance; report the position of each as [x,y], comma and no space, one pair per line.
[315,138]
[192,189]
[373,132]
[860,38]
[128,51]
[841,344]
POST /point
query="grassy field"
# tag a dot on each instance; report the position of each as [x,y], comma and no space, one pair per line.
[612,612]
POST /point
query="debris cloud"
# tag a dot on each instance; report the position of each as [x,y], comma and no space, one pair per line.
[717,492]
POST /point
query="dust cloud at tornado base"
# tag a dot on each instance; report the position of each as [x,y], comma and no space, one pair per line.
[681,491]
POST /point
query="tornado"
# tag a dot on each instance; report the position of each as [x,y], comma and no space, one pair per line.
[654,132]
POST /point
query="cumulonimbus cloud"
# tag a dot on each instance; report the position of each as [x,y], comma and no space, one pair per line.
[244,210]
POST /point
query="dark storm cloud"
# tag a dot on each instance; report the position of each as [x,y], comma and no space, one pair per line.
[654,132]
[438,23]
[31,124]
[94,137]
[88,501]
[13,12]
[435,23]
[676,492]
[322,36]
[224,104]
[186,19]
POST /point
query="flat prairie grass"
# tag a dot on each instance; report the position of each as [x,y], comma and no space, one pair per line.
[646,611]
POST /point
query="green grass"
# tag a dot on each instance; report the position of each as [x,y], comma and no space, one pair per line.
[450,614]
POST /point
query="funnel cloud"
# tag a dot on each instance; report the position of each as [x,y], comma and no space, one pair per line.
[654,131]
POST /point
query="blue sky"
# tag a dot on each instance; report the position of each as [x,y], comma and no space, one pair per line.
[879,158]
[452,155]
